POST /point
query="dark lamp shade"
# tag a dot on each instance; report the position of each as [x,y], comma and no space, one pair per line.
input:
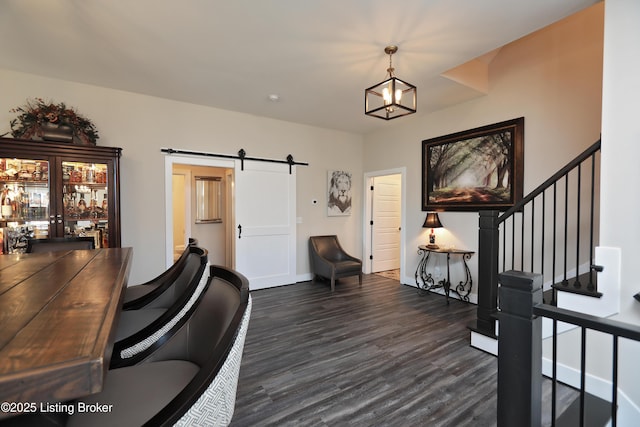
[432,221]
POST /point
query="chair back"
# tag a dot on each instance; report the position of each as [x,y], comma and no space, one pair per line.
[214,340]
[327,247]
[205,352]
[60,244]
[136,297]
[182,299]
[168,294]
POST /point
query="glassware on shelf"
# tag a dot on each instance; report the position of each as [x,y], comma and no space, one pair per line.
[82,205]
[77,187]
[6,207]
[84,199]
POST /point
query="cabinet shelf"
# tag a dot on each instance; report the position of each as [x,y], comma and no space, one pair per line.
[25,181]
[87,184]
[79,195]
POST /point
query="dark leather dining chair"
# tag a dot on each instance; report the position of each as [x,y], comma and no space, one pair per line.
[191,379]
[329,260]
[138,296]
[143,329]
[60,244]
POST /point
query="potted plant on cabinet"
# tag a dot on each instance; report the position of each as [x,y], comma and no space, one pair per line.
[52,122]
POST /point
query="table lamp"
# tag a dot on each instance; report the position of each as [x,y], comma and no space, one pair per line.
[432,221]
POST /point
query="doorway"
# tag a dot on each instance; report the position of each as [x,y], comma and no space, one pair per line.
[259,223]
[186,163]
[187,206]
[384,231]
[180,193]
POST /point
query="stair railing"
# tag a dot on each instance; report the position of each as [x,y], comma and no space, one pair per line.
[551,231]
[520,355]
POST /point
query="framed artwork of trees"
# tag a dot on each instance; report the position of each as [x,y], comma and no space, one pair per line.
[474,170]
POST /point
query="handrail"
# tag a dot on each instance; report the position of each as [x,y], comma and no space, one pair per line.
[614,328]
[555,177]
[547,223]
[600,324]
[520,354]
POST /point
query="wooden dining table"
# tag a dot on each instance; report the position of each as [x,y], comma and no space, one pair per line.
[58,315]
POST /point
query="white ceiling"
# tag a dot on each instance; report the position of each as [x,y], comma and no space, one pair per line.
[317,55]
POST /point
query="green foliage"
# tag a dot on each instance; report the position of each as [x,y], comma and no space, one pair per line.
[36,112]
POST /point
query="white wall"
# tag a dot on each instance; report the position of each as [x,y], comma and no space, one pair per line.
[553,78]
[619,229]
[142,125]
[620,173]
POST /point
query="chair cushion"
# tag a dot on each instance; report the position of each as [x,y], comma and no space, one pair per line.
[137,291]
[136,393]
[132,321]
[348,267]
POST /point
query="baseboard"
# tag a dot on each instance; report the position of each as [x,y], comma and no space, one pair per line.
[484,343]
[304,277]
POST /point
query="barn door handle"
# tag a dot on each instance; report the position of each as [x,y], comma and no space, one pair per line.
[239,231]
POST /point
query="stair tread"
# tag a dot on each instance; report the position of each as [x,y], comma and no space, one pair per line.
[584,280]
[597,413]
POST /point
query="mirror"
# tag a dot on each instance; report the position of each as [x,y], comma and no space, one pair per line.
[208,199]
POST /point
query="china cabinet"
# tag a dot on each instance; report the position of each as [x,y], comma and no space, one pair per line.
[58,190]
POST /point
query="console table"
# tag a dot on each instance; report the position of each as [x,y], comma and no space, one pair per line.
[425,275]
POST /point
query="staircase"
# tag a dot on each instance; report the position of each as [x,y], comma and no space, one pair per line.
[597,413]
[552,231]
[598,399]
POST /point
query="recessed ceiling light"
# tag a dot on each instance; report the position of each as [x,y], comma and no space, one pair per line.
[274,97]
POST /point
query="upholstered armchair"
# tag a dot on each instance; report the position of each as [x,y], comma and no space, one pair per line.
[329,260]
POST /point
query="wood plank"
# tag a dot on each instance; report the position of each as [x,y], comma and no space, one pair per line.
[379,355]
[60,326]
[40,284]
[12,271]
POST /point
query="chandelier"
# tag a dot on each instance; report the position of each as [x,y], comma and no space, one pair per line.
[391,98]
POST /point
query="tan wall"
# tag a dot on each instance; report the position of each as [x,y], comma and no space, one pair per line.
[553,78]
[142,125]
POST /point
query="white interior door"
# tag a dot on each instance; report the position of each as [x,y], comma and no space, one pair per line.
[386,217]
[265,226]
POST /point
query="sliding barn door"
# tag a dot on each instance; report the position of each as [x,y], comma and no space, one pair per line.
[265,223]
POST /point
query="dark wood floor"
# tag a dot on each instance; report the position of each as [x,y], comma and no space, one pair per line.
[379,355]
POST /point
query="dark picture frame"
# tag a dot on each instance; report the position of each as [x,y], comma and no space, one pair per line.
[473,170]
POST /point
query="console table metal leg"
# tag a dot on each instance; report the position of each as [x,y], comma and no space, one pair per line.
[447,285]
[425,281]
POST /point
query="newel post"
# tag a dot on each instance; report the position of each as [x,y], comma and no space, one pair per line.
[519,350]
[488,241]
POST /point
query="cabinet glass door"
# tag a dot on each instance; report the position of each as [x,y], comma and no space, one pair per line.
[24,202]
[85,200]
